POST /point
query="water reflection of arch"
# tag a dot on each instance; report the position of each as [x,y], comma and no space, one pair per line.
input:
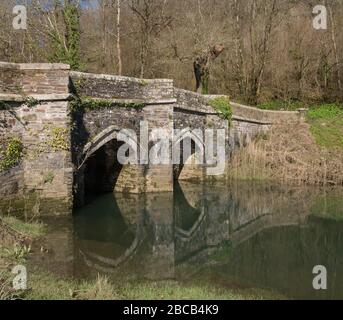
[255,208]
[189,234]
[263,223]
[95,258]
[151,251]
[192,167]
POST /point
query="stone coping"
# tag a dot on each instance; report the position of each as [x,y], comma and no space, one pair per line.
[8,97]
[138,101]
[34,66]
[110,77]
[271,112]
[208,97]
[242,119]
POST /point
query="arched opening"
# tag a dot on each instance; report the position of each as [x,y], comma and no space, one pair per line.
[102,170]
[189,152]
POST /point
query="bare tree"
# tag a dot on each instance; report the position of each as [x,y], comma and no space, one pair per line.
[202,67]
[271,49]
[334,44]
[153,20]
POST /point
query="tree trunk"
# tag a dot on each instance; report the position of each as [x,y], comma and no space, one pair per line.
[120,65]
[202,67]
[239,51]
[334,43]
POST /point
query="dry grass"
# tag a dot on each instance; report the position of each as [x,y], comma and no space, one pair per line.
[101,289]
[289,154]
[6,291]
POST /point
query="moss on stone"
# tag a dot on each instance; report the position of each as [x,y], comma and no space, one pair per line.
[223,107]
[11,152]
[31,102]
[59,139]
[3,105]
[94,104]
[143,83]
[48,177]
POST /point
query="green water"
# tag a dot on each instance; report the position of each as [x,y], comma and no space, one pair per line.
[240,235]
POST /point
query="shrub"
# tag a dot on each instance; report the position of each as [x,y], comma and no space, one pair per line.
[223,107]
[10,153]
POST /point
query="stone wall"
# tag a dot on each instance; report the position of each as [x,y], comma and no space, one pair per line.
[32,79]
[44,175]
[96,127]
[192,111]
[116,87]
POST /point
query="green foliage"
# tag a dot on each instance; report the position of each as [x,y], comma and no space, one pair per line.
[326,111]
[205,83]
[33,229]
[18,252]
[3,105]
[143,83]
[59,139]
[31,102]
[281,105]
[10,153]
[48,177]
[223,107]
[327,125]
[67,49]
[92,104]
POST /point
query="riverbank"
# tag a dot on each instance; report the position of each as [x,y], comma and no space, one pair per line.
[310,152]
[16,248]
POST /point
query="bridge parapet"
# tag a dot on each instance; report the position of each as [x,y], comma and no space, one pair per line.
[34,78]
[246,123]
[118,87]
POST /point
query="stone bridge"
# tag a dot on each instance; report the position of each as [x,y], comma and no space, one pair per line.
[68,124]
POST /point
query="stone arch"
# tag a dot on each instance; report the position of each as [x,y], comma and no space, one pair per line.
[97,142]
[99,169]
[193,167]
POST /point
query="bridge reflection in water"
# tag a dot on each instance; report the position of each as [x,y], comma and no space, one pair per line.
[246,235]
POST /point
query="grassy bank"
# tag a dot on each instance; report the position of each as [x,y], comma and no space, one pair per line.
[16,249]
[304,153]
[46,286]
[327,125]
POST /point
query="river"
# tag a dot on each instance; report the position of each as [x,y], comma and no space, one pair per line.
[239,235]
